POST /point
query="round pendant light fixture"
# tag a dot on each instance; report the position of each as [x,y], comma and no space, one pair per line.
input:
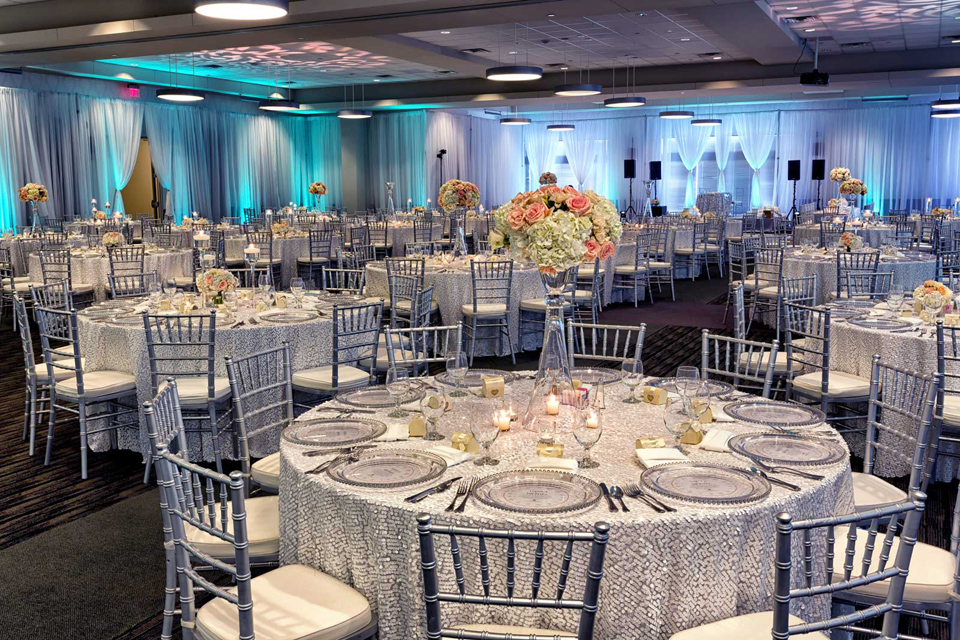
[946,104]
[625,103]
[676,115]
[179,94]
[354,114]
[242,9]
[514,73]
[578,89]
[279,105]
[560,127]
[515,120]
[945,113]
[706,122]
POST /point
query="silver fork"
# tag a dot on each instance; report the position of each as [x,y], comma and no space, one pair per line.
[323,466]
[634,491]
[462,487]
[796,472]
[470,488]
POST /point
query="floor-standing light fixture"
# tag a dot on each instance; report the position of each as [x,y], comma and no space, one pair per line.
[179,94]
[242,9]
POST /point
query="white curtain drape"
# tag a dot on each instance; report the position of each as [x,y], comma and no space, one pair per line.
[541,146]
[396,151]
[496,161]
[723,145]
[691,144]
[450,131]
[757,132]
[123,124]
[582,147]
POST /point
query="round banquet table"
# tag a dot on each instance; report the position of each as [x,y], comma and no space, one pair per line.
[873,236]
[663,572]
[80,227]
[399,234]
[94,268]
[909,270]
[123,348]
[287,249]
[23,245]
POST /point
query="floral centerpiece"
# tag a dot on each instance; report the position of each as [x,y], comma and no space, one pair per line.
[548,177]
[931,298]
[99,216]
[852,186]
[318,189]
[691,213]
[113,239]
[214,282]
[458,194]
[418,209]
[850,241]
[283,230]
[33,193]
[839,174]
[709,215]
[941,212]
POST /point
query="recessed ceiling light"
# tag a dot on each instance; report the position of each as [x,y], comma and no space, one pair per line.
[564,68]
[955,40]
[791,8]
[242,9]
[577,89]
[641,14]
[809,30]
[514,73]
[717,57]
[551,15]
[279,105]
[354,114]
[376,79]
[512,53]
[684,39]
[180,95]
[444,33]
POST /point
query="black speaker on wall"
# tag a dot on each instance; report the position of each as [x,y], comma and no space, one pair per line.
[819,170]
[629,169]
[793,170]
[655,170]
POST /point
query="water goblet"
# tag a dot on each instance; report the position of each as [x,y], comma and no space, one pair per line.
[587,429]
[687,382]
[398,385]
[485,430]
[675,420]
[432,406]
[263,283]
[457,366]
[296,288]
[895,301]
[632,377]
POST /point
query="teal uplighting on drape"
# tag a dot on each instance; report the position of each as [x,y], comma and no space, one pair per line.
[397,149]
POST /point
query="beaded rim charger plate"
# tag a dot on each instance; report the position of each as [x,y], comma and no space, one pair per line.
[787,449]
[99,313]
[130,320]
[873,322]
[334,432]
[290,317]
[474,377]
[388,468]
[715,387]
[375,397]
[772,413]
[589,375]
[537,491]
[705,483]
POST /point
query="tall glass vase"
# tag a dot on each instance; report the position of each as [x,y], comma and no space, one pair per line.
[553,374]
[35,214]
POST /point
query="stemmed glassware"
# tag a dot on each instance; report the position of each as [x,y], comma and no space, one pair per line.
[687,383]
[587,429]
[485,430]
[432,407]
[895,300]
[296,288]
[457,366]
[675,419]
[398,386]
[632,377]
[263,283]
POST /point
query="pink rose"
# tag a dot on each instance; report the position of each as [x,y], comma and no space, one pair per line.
[536,212]
[593,248]
[607,250]
[570,190]
[222,285]
[515,218]
[579,205]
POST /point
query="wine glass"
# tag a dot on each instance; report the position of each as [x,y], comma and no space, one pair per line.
[699,402]
[895,300]
[632,377]
[687,382]
[485,430]
[432,407]
[263,283]
[933,304]
[675,420]
[398,385]
[587,429]
[296,288]
[457,366]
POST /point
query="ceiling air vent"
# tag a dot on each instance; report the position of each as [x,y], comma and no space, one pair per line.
[798,19]
[475,50]
[854,45]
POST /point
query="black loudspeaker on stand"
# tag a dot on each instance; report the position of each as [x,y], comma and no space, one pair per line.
[793,174]
[818,172]
[630,173]
[655,176]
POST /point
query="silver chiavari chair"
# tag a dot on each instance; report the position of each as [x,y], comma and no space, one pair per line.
[411,271]
[766,294]
[947,413]
[37,401]
[358,256]
[608,344]
[423,231]
[746,364]
[739,312]
[716,244]
[421,248]
[125,260]
[491,287]
[830,232]
[802,290]
[862,285]
[310,266]
[78,391]
[184,347]
[533,311]
[57,266]
[635,277]
[433,596]
[660,265]
[290,597]
[837,556]
[696,255]
[904,233]
[741,266]
[132,285]
[262,389]
[929,233]
[345,281]
[377,231]
[415,348]
[52,296]
[168,240]
[899,421]
[356,331]
[854,262]
[268,264]
[586,297]
[54,240]
[948,264]
[10,285]
[418,317]
[808,349]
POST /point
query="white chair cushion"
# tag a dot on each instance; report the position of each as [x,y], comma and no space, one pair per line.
[712,247]
[58,374]
[586,272]
[753,626]
[383,359]
[538,304]
[628,269]
[580,295]
[687,252]
[20,287]
[266,472]
[931,569]
[293,602]
[750,284]
[19,279]
[750,361]
[770,292]
[321,378]
[98,383]
[386,301]
[951,410]
[263,530]
[519,632]
[309,260]
[486,310]
[655,264]
[263,262]
[404,305]
[839,385]
[82,288]
[870,491]
[193,390]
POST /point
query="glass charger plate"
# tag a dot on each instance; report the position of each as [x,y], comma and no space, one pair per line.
[705,483]
[342,298]
[136,319]
[388,469]
[589,375]
[873,322]
[474,377]
[778,448]
[290,317]
[716,388]
[854,304]
[126,303]
[537,491]
[334,432]
[768,412]
[375,397]
[99,313]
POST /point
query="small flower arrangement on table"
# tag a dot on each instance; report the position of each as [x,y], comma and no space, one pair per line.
[941,212]
[113,239]
[458,194]
[214,282]
[932,298]
[283,230]
[850,241]
[548,177]
[100,216]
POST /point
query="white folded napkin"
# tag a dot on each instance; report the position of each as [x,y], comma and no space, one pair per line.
[451,455]
[719,415]
[553,464]
[272,312]
[654,457]
[395,432]
[716,440]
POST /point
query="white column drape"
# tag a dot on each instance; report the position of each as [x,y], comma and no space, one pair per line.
[757,132]
[448,131]
[723,144]
[582,147]
[123,124]
[496,165]
[541,146]
[691,144]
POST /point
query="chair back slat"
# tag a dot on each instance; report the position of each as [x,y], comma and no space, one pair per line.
[132,285]
[604,343]
[746,364]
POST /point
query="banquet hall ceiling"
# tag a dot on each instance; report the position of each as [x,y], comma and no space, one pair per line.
[408,52]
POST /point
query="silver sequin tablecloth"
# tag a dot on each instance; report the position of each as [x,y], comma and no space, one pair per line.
[287,249]
[663,572]
[95,270]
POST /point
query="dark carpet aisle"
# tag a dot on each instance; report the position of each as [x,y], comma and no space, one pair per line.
[84,560]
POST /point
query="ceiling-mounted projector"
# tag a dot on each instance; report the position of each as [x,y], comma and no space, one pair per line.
[815,78]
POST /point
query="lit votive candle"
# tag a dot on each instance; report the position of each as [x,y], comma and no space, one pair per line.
[593,418]
[553,405]
[252,251]
[502,419]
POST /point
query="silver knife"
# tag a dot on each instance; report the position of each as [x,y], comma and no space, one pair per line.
[440,488]
[325,452]
[606,494]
